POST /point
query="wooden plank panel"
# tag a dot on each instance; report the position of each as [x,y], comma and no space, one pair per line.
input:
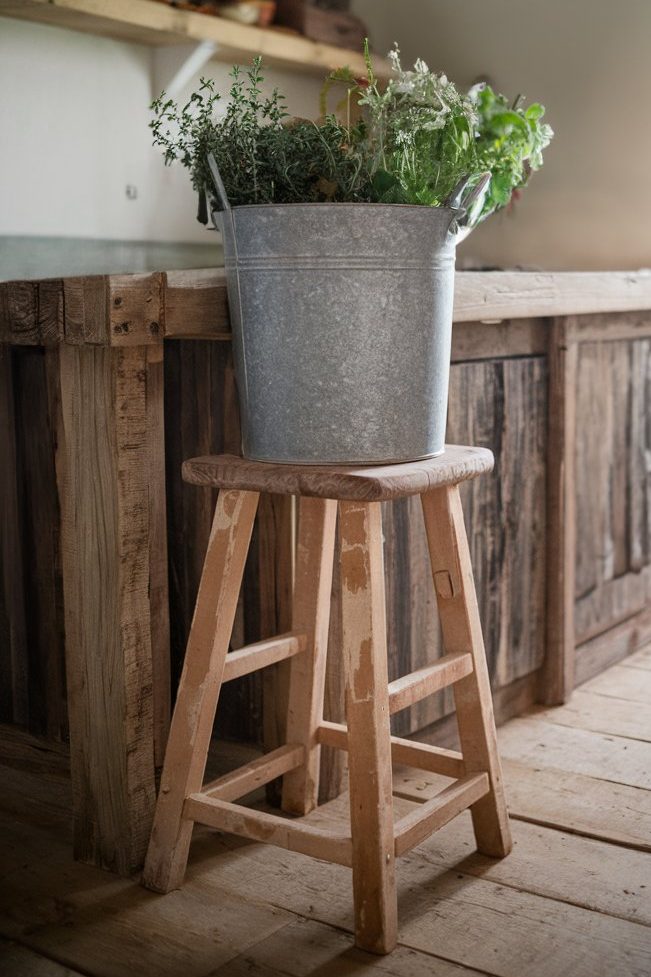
[106,521]
[14,692]
[613,485]
[557,673]
[37,419]
[639,467]
[613,645]
[501,405]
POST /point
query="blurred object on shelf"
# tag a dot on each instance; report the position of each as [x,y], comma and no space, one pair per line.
[196,6]
[259,12]
[328,22]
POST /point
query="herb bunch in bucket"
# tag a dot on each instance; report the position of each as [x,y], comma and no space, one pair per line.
[340,240]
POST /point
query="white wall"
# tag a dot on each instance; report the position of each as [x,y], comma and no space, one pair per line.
[73,118]
[589,62]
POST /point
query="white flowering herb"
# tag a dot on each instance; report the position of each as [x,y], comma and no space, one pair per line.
[422,136]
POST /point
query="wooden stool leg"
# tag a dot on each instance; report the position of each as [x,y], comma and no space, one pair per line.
[317,521]
[461,627]
[194,714]
[369,737]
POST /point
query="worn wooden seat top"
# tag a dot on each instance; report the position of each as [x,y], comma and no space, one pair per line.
[367,484]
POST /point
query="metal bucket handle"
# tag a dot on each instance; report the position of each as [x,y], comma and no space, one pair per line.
[222,196]
[227,210]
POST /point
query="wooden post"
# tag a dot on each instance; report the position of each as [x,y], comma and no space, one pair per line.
[461,627]
[110,466]
[194,715]
[369,736]
[557,679]
[311,616]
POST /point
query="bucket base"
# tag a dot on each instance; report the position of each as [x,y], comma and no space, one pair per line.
[343,464]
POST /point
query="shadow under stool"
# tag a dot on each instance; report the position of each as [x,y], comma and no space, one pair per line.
[374,839]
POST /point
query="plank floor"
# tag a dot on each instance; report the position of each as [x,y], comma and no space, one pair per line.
[572,900]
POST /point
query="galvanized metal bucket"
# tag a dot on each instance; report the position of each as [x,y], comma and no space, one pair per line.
[342,321]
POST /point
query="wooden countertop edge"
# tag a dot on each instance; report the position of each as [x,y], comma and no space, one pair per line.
[119,310]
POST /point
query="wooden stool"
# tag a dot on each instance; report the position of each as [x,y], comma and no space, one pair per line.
[374,839]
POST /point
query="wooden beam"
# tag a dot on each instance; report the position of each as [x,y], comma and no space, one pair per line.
[423,756]
[107,525]
[408,689]
[271,829]
[259,772]
[262,653]
[419,824]
[557,676]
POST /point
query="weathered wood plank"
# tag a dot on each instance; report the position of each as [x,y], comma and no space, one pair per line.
[51,312]
[639,472]
[201,418]
[37,407]
[106,525]
[613,485]
[538,743]
[613,645]
[196,305]
[306,947]
[19,313]
[115,922]
[480,921]
[622,683]
[579,804]
[557,678]
[19,961]
[545,862]
[158,557]
[14,691]
[605,713]
[641,659]
[496,340]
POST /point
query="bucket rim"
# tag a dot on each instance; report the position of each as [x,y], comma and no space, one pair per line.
[341,205]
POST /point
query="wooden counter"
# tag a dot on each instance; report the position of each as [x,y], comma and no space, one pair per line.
[109,382]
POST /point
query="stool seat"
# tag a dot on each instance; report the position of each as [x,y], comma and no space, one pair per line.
[365,484]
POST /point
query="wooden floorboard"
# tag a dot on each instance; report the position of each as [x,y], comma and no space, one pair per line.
[641,659]
[623,682]
[542,744]
[19,961]
[603,714]
[573,898]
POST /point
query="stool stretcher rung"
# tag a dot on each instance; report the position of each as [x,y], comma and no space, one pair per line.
[432,815]
[271,829]
[262,653]
[423,756]
[412,688]
[259,772]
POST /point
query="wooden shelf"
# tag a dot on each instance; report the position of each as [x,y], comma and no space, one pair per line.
[153,23]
